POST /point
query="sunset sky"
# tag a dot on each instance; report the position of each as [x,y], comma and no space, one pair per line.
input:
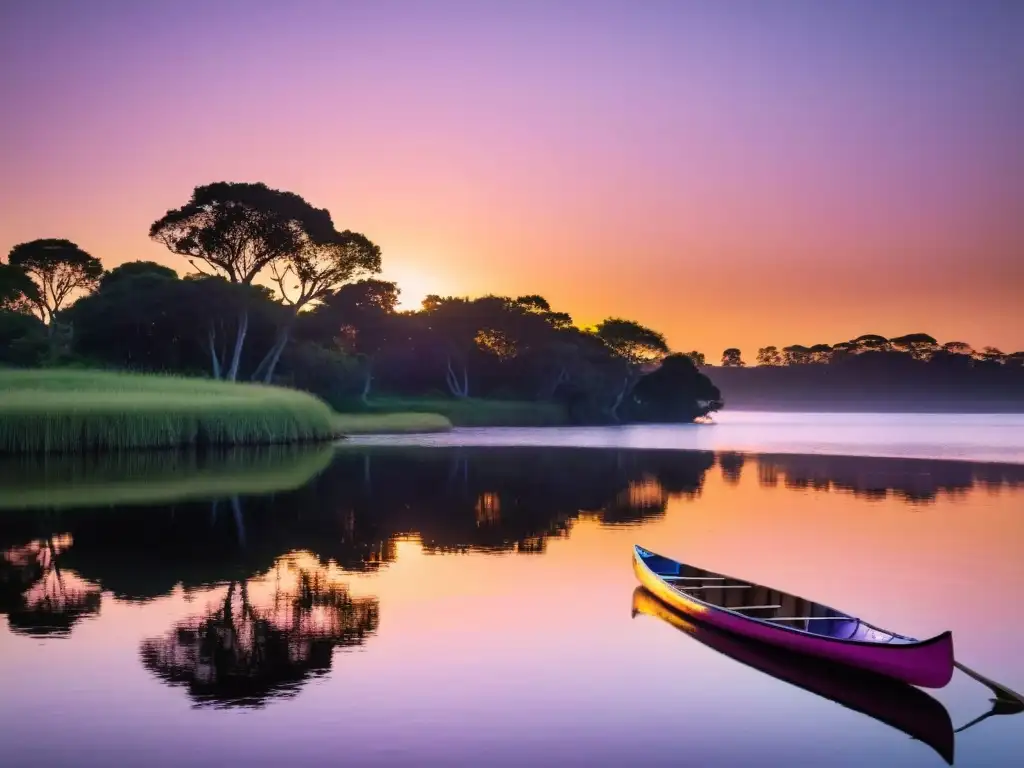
[731,173]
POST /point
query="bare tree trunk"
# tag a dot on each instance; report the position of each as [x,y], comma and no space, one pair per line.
[212,337]
[626,387]
[265,370]
[364,396]
[278,349]
[547,391]
[243,328]
[456,387]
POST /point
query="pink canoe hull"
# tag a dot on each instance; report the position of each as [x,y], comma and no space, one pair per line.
[926,663]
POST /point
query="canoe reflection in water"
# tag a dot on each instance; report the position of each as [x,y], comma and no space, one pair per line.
[897,704]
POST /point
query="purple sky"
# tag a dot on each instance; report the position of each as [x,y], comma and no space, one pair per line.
[732,173]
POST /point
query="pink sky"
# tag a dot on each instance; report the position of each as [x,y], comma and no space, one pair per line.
[733,175]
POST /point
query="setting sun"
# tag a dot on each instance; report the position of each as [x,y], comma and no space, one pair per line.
[415,285]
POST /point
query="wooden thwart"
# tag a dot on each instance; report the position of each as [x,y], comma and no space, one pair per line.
[747,607]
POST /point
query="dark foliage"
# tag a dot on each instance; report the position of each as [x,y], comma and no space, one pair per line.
[322,328]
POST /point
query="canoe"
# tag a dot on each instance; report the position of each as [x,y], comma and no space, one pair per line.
[791,622]
[894,703]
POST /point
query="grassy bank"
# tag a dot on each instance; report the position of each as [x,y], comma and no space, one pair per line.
[469,412]
[387,423]
[73,410]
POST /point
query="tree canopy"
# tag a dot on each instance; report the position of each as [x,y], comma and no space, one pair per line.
[732,358]
[59,270]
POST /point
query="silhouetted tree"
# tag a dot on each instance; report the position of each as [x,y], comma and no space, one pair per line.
[920,346]
[17,291]
[132,269]
[732,358]
[359,319]
[697,357]
[239,229]
[958,348]
[820,353]
[22,338]
[675,392]
[636,345]
[59,269]
[796,354]
[991,355]
[872,342]
[769,356]
[324,261]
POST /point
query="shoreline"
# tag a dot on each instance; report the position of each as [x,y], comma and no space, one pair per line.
[747,438]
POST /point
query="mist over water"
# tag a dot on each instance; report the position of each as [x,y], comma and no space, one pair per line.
[963,437]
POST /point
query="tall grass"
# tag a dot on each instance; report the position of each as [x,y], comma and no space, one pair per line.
[65,410]
[149,477]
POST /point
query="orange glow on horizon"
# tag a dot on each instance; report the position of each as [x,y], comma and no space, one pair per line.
[731,179]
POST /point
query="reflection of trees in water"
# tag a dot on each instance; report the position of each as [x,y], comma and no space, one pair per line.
[911,480]
[732,466]
[38,596]
[487,499]
[502,500]
[510,499]
[249,649]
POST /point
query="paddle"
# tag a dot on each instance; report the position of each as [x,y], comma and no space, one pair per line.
[1006,701]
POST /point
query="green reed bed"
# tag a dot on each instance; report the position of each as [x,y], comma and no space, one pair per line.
[70,411]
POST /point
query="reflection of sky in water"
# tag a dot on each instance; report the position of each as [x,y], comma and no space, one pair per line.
[965,437]
[527,658]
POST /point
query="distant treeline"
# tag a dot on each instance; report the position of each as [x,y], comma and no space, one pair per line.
[907,373]
[915,346]
[276,293]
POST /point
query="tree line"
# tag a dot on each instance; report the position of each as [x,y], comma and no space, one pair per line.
[919,347]
[274,292]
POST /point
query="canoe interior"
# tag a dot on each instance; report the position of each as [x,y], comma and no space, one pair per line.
[754,601]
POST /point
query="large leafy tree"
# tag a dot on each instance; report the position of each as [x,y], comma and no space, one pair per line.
[58,269]
[238,230]
[324,261]
[636,346]
[872,342]
[920,346]
[676,391]
[633,342]
[732,358]
[769,356]
[143,317]
[796,354]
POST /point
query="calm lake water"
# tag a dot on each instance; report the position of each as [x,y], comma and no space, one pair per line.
[417,605]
